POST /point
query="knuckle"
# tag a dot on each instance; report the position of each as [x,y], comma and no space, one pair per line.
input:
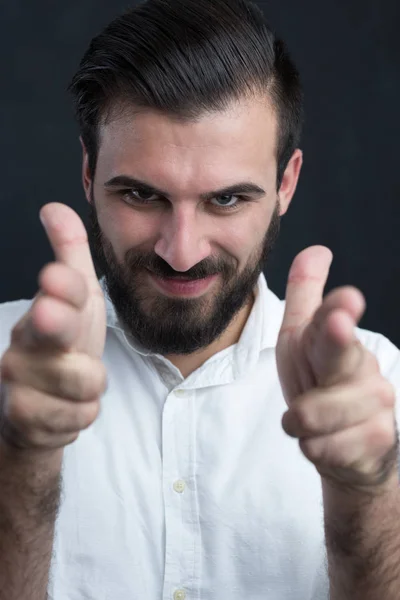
[73,376]
[9,365]
[87,414]
[311,449]
[43,273]
[387,393]
[306,417]
[94,380]
[34,437]
[27,422]
[384,430]
[40,438]
[16,334]
[69,418]
[70,438]
[58,420]
[18,331]
[17,409]
[81,377]
[17,420]
[64,440]
[371,362]
[49,272]
[66,377]
[60,380]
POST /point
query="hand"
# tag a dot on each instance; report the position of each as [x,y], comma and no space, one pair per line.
[340,406]
[51,375]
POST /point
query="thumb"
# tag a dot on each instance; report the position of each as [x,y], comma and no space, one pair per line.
[68,238]
[305,287]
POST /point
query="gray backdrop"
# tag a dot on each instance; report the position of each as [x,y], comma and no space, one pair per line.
[348,54]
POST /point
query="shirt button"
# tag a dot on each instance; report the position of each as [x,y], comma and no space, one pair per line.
[180,595]
[180,393]
[179,486]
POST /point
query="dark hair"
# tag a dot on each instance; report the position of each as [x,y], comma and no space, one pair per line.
[186,58]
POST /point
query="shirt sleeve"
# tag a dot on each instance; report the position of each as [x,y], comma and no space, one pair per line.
[388,356]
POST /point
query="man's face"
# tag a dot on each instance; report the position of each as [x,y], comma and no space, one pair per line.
[180,263]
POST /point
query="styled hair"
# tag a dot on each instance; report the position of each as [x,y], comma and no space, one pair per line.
[186,58]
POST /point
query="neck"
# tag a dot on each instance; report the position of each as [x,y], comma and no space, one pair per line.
[188,363]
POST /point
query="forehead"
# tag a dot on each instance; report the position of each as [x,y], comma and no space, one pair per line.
[223,145]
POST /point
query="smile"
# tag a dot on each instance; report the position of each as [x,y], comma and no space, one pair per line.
[180,287]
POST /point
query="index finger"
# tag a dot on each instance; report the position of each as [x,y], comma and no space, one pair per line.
[50,324]
[68,238]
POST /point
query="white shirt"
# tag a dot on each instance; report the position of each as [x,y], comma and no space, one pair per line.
[189,488]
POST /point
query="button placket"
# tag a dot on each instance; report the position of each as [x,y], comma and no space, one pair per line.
[178,442]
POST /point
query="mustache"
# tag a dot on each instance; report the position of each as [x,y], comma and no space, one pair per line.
[137,261]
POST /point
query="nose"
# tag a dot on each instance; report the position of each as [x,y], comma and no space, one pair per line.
[182,242]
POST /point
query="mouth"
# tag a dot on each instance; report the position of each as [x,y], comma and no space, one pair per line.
[179,286]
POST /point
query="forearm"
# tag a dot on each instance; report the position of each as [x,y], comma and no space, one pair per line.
[29,499]
[363,543]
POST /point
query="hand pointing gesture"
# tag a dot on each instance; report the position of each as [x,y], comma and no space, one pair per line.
[51,375]
[68,238]
[340,406]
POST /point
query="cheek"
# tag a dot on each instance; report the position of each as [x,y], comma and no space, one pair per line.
[125,229]
[244,236]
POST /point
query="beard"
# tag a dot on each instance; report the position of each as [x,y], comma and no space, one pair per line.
[168,325]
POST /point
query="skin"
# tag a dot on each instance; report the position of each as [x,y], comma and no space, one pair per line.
[186,160]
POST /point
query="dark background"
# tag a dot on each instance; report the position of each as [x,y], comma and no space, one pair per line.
[349,58]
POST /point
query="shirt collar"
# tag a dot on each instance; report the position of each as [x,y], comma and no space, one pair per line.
[264,322]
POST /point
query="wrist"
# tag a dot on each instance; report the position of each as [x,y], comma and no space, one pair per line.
[342,498]
[48,459]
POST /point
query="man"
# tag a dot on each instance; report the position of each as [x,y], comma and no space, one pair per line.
[175,430]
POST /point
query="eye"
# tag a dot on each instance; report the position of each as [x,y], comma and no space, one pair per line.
[138,196]
[228,201]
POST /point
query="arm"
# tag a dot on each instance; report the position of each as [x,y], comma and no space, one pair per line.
[363,543]
[342,409]
[51,382]
[29,498]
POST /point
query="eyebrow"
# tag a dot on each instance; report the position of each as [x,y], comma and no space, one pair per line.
[244,187]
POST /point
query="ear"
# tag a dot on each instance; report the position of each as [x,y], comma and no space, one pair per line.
[290,179]
[86,178]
